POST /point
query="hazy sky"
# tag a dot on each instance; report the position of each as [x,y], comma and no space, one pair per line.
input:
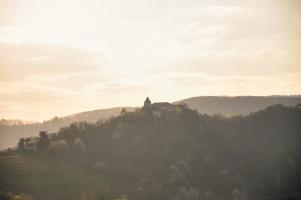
[64,56]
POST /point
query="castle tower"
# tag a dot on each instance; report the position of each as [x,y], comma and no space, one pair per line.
[147,102]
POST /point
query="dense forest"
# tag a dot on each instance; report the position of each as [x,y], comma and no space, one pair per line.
[180,154]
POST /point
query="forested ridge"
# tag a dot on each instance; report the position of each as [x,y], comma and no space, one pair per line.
[11,130]
[183,154]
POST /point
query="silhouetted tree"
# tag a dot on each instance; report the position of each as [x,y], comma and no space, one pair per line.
[123,111]
[43,140]
[21,143]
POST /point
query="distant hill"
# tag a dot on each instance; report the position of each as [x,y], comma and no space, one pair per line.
[238,105]
[12,130]
[15,122]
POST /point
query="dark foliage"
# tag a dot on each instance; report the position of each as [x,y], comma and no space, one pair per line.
[182,154]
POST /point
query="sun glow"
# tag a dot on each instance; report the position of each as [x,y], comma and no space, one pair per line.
[91,54]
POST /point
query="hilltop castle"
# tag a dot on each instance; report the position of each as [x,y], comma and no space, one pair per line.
[159,107]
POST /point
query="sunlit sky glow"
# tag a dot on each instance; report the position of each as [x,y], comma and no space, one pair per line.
[59,57]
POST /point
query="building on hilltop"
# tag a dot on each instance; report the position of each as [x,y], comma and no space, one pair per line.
[158,108]
[163,106]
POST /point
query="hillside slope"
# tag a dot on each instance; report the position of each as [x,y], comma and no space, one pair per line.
[11,131]
[48,179]
[179,154]
[237,105]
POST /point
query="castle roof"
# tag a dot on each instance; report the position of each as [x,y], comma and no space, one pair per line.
[147,100]
[162,104]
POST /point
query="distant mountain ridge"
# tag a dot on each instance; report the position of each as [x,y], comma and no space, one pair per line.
[15,122]
[237,105]
[12,130]
[89,116]
[224,105]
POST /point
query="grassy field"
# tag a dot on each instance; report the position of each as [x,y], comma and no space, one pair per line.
[51,179]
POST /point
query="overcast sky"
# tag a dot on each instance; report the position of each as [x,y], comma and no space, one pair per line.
[59,57]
